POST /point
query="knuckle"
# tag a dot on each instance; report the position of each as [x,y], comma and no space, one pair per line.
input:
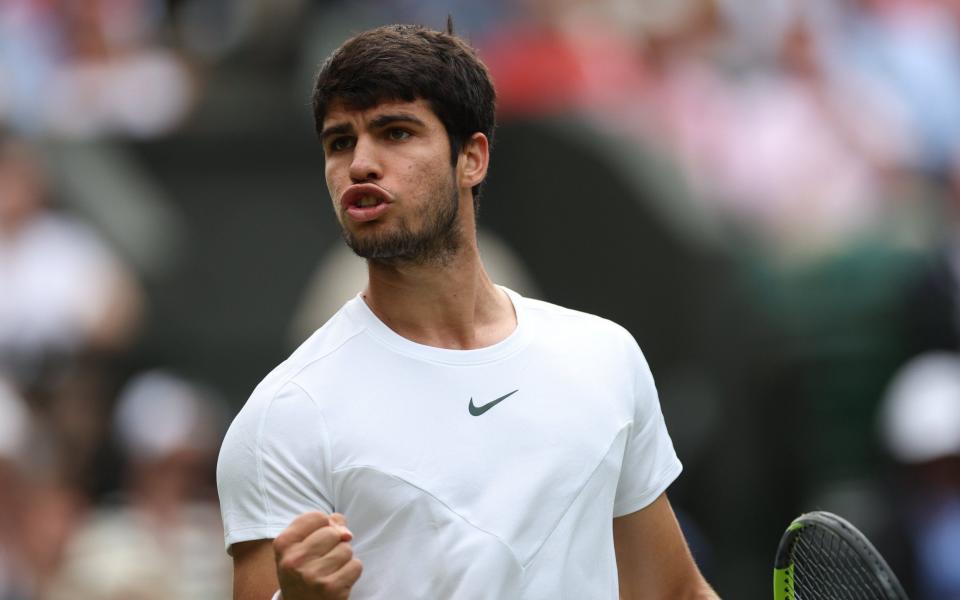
[285,566]
[288,563]
[355,570]
[335,558]
[323,541]
[291,559]
[309,519]
[331,533]
[317,518]
[326,583]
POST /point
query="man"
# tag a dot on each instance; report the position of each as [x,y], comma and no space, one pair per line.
[478,444]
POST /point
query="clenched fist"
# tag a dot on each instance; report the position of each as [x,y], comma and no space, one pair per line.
[314,558]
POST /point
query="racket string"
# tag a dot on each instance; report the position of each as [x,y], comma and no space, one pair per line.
[826,567]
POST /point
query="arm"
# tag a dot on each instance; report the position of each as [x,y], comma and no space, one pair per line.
[272,469]
[254,570]
[653,560]
[311,559]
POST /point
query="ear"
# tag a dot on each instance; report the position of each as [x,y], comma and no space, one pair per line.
[473,161]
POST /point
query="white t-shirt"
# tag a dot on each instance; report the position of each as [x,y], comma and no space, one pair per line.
[471,474]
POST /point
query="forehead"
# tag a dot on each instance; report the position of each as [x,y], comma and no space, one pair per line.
[339,112]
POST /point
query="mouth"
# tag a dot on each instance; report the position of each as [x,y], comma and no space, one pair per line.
[367,201]
[364,202]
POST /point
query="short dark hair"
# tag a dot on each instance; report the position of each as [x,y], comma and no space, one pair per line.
[406,63]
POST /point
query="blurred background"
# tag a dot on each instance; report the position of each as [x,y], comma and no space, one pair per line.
[766,194]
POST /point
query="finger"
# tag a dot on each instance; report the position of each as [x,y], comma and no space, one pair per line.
[340,520]
[299,529]
[321,541]
[301,555]
[350,572]
[323,566]
[341,580]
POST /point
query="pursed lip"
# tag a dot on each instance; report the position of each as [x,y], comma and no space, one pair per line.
[355,192]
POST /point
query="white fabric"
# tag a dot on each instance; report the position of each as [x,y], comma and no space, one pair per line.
[514,503]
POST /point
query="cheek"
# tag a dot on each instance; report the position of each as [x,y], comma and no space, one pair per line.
[433,169]
[334,184]
[333,198]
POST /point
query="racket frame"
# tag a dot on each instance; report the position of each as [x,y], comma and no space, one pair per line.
[783,568]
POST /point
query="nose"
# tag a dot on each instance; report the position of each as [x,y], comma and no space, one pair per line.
[365,164]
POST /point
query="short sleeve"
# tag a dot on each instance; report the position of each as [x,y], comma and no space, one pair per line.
[650,463]
[273,465]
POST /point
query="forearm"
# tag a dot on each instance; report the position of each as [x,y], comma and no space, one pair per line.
[698,589]
[703,591]
[653,560]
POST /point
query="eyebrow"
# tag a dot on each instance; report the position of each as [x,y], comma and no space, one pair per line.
[338,129]
[384,120]
[378,123]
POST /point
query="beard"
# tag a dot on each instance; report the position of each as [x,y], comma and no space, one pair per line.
[435,240]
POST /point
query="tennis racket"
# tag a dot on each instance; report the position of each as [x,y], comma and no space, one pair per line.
[823,557]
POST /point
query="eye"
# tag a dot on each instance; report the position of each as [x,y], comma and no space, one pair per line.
[340,143]
[397,134]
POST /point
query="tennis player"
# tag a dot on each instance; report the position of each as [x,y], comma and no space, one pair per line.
[443,437]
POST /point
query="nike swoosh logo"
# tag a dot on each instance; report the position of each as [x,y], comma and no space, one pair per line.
[479,410]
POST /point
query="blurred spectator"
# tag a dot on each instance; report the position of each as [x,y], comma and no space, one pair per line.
[163,538]
[772,143]
[29,45]
[562,58]
[931,306]
[37,512]
[920,425]
[64,291]
[90,68]
[14,428]
[763,132]
[910,49]
[469,17]
[213,30]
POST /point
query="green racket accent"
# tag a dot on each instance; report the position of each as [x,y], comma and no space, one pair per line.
[783,580]
[783,584]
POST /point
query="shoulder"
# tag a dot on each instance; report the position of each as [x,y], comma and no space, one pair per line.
[549,317]
[326,344]
[588,339]
[284,385]
[280,428]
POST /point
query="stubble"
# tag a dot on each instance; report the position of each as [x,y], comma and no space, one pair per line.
[430,236]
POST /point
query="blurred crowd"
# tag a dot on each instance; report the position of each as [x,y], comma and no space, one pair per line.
[105,485]
[821,137]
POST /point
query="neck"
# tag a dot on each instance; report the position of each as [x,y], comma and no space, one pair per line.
[447,304]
